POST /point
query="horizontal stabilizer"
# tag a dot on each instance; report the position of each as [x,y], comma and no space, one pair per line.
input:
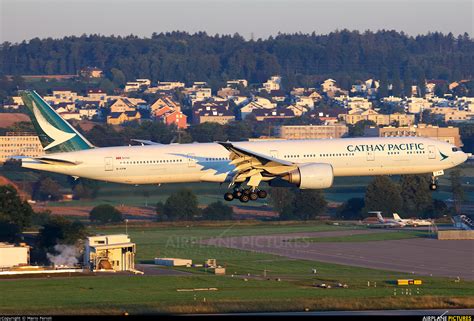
[55,161]
[145,142]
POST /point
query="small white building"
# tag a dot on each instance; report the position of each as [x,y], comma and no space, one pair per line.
[110,252]
[169,261]
[14,255]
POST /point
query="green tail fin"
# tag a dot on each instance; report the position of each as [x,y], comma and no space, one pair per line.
[56,134]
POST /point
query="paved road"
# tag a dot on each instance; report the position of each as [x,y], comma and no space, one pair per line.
[423,256]
[152,269]
[434,312]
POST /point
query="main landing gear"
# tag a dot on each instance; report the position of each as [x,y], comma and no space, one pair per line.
[245,195]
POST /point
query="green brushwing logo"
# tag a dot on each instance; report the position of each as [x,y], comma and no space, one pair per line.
[443,156]
[55,133]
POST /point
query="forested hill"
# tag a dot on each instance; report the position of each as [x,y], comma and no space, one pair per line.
[301,59]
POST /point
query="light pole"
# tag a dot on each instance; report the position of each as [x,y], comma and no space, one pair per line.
[126,226]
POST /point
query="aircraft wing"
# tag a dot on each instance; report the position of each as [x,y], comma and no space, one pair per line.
[255,166]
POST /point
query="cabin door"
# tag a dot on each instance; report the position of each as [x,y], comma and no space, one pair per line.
[109,163]
[274,153]
[191,160]
[431,152]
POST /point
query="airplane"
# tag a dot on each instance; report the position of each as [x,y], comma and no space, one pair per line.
[385,222]
[412,222]
[244,166]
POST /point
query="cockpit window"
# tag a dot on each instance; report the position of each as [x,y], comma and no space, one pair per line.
[455,149]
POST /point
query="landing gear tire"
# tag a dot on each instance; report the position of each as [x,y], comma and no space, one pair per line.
[228,197]
[246,191]
[433,186]
[262,194]
[244,198]
[237,194]
[253,196]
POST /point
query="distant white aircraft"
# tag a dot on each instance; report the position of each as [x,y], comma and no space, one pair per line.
[385,222]
[412,222]
[244,166]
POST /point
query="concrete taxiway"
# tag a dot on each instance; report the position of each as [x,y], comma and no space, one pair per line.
[420,256]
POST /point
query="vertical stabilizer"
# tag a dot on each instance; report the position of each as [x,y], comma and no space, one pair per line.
[380,218]
[396,217]
[56,134]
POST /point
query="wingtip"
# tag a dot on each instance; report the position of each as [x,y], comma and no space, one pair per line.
[225,144]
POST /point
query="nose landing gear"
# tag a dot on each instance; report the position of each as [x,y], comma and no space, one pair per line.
[434,183]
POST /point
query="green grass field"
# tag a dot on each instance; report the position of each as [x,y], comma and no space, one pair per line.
[295,291]
[396,235]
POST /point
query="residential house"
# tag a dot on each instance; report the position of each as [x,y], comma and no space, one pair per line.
[212,113]
[118,118]
[237,83]
[378,119]
[304,101]
[228,92]
[274,83]
[164,101]
[329,85]
[416,105]
[122,105]
[273,114]
[167,110]
[277,96]
[257,103]
[91,72]
[298,110]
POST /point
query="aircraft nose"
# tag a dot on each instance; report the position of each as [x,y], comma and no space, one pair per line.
[466,156]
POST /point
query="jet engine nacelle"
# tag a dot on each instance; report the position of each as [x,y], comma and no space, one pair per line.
[311,176]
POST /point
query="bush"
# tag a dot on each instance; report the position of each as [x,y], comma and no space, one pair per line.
[46,189]
[104,214]
[217,211]
[352,209]
[182,205]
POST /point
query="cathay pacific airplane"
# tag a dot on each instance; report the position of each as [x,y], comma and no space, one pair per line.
[244,166]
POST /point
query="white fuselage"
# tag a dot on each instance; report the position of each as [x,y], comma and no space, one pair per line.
[209,162]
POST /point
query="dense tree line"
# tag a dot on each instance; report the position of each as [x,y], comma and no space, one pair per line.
[301,59]
[409,196]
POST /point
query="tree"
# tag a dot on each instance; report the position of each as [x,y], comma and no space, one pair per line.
[358,128]
[104,214]
[182,205]
[59,230]
[84,188]
[306,205]
[384,195]
[13,209]
[208,132]
[351,209]
[217,211]
[46,189]
[416,196]
[456,187]
[281,197]
[437,209]
[118,77]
